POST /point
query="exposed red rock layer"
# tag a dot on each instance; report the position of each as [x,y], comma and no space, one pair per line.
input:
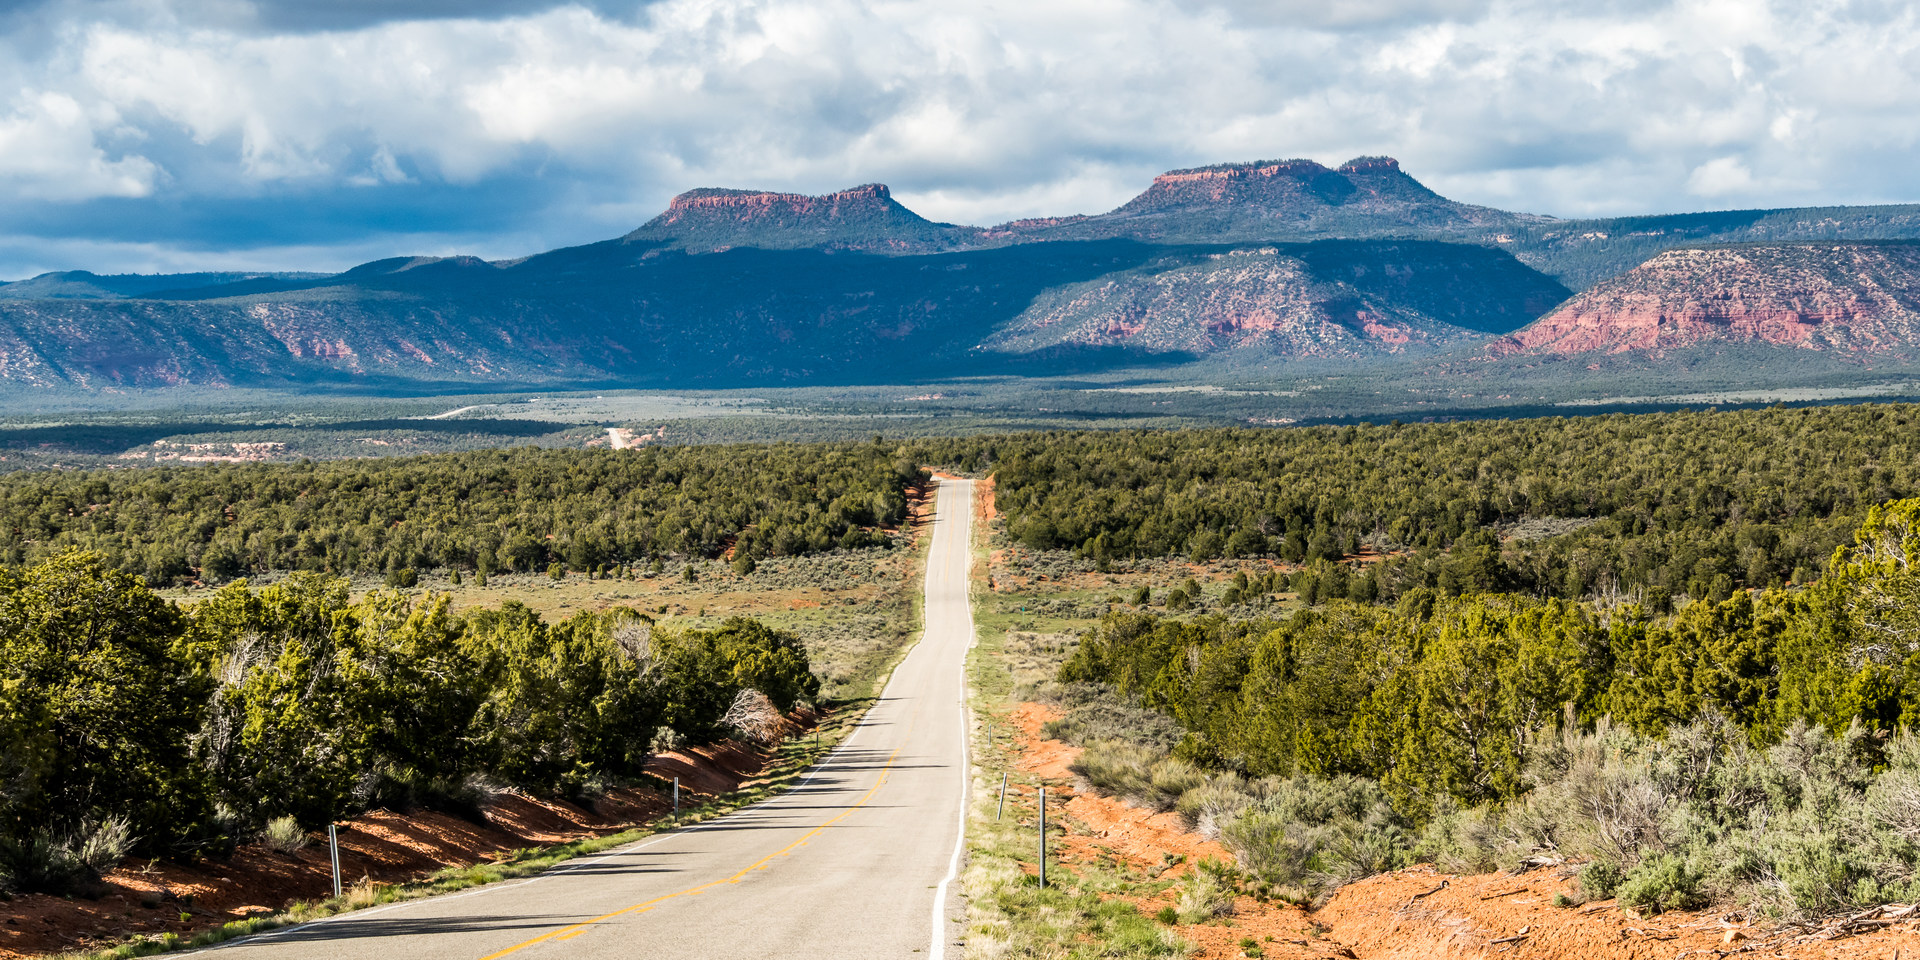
[1284,301]
[1258,170]
[1246,298]
[1850,300]
[752,204]
[866,218]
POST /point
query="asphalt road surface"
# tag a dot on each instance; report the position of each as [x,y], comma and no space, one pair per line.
[855,862]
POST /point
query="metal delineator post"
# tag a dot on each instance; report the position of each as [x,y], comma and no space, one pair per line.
[1043,838]
[1003,796]
[333,851]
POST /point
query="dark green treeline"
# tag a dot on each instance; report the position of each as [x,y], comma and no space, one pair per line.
[1657,506]
[493,510]
[1660,506]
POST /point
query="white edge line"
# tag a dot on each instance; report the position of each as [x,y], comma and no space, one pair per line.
[937,949]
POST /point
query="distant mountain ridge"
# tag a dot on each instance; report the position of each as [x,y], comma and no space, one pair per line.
[82,285]
[1283,260]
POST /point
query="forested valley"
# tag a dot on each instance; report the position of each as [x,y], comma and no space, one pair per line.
[1653,506]
[1677,647]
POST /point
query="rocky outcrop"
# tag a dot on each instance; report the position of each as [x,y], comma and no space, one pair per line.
[1852,300]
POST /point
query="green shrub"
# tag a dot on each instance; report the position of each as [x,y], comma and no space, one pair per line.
[1318,833]
[403,577]
[36,862]
[1214,802]
[41,861]
[285,835]
[1116,768]
[1600,879]
[1170,779]
[1093,711]
[1663,883]
[1206,892]
[99,704]
[1819,878]
[103,845]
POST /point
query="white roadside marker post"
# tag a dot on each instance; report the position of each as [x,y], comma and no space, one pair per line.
[1003,797]
[1043,838]
[676,796]
[333,851]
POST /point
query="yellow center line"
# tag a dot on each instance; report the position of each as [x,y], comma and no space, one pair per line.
[568,933]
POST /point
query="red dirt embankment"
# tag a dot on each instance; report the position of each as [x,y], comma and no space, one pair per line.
[1418,913]
[150,897]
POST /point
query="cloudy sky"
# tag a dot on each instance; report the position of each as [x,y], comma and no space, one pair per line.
[147,135]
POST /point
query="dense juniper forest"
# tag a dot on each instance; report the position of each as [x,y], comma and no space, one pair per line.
[1679,648]
[484,511]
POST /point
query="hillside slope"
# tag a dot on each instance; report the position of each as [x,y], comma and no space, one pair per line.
[1333,299]
[1855,301]
[1581,253]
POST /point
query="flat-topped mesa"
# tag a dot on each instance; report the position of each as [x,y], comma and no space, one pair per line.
[1257,170]
[870,196]
[1287,188]
[1370,165]
[866,218]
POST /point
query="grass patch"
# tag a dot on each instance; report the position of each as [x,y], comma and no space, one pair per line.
[1008,913]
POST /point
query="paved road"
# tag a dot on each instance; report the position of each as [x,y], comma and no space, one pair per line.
[851,864]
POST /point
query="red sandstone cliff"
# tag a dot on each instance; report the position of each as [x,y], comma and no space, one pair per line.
[1851,300]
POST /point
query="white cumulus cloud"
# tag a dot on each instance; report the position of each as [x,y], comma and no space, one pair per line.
[976,113]
[50,148]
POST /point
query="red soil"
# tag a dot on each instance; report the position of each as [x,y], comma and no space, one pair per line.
[1412,914]
[380,846]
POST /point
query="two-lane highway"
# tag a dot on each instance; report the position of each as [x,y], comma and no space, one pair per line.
[855,862]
